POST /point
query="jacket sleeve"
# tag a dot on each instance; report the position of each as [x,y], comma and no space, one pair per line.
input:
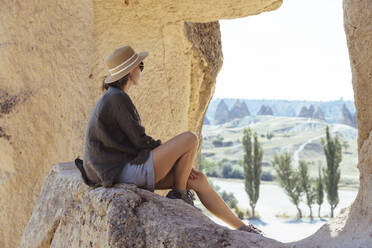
[131,126]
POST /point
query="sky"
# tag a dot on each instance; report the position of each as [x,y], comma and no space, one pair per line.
[297,52]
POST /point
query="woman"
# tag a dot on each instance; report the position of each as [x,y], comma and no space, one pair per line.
[117,149]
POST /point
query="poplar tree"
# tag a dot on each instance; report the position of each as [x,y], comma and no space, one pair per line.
[319,191]
[252,165]
[289,178]
[333,152]
[307,185]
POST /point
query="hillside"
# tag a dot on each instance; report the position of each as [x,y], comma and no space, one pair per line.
[301,136]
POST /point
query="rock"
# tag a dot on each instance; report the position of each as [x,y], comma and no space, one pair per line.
[306,112]
[239,110]
[318,114]
[52,68]
[222,113]
[69,214]
[346,117]
[265,110]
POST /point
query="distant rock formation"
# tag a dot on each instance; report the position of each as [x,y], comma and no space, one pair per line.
[319,114]
[307,112]
[239,110]
[311,113]
[222,113]
[265,110]
[347,118]
[206,121]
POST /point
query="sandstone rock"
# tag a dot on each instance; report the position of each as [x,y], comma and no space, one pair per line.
[222,113]
[307,112]
[318,114]
[346,117]
[52,67]
[239,110]
[69,214]
[265,110]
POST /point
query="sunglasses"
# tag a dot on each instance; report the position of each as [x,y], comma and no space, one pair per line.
[141,66]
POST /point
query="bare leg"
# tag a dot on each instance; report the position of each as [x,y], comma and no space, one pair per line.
[209,198]
[212,201]
[177,154]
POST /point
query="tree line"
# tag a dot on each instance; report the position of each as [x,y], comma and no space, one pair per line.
[296,182]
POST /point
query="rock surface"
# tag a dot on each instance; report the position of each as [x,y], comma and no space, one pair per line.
[346,117]
[222,113]
[69,214]
[52,66]
[265,110]
[238,110]
[318,114]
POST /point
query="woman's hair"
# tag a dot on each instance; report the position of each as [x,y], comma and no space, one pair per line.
[118,83]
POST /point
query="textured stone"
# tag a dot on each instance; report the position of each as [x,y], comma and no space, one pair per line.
[69,214]
[51,69]
[238,110]
[222,113]
[265,110]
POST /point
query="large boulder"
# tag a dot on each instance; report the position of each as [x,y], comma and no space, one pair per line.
[69,214]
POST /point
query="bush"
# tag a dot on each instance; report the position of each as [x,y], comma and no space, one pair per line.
[214,172]
[229,171]
[269,136]
[228,143]
[229,198]
[267,176]
[205,165]
[239,213]
[226,170]
[217,143]
[237,172]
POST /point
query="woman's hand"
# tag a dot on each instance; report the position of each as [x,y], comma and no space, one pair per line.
[194,174]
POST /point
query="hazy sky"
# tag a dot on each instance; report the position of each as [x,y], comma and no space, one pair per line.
[297,52]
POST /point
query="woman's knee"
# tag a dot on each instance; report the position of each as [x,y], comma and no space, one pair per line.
[192,138]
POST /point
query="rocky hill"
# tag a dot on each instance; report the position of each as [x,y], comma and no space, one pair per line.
[347,118]
[239,110]
[222,113]
[265,110]
[329,111]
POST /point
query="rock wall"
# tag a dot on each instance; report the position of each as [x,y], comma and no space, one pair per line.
[68,214]
[51,70]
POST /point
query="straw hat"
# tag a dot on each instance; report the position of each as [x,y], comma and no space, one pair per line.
[122,61]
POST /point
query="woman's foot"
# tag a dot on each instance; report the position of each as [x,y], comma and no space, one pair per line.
[250,228]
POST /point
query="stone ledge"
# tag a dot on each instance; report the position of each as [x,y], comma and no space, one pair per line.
[70,214]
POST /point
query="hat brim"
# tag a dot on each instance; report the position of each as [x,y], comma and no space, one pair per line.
[110,78]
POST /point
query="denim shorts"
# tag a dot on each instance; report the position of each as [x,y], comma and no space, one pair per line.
[142,175]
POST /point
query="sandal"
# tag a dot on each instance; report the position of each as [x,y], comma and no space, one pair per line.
[250,228]
[187,197]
